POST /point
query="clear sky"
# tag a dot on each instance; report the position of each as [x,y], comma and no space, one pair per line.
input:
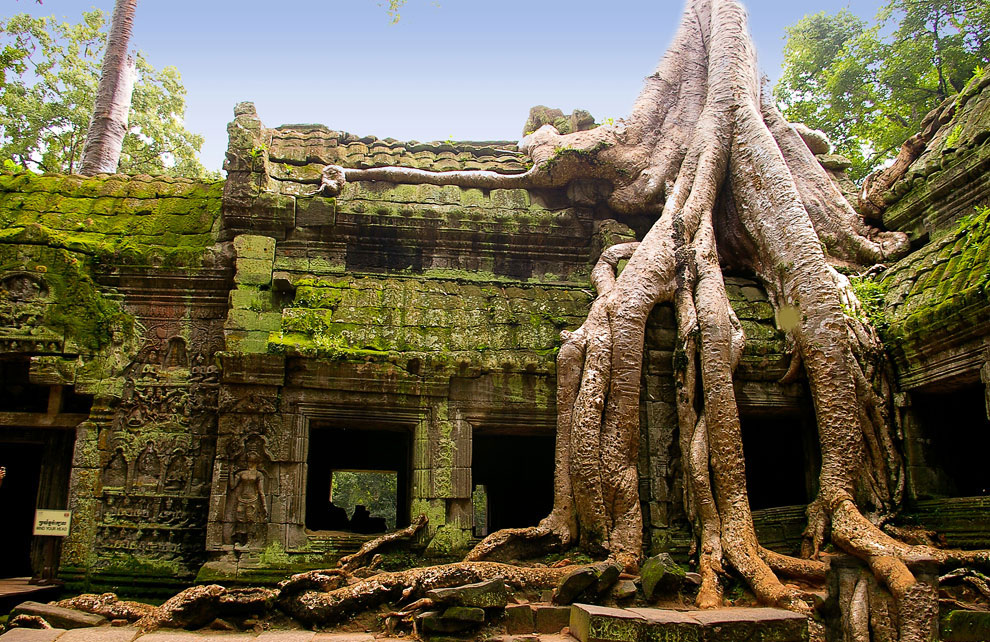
[461,69]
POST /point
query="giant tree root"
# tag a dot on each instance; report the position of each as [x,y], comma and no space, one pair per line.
[350,563]
[329,607]
[728,183]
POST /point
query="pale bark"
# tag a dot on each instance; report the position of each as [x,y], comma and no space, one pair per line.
[725,178]
[108,126]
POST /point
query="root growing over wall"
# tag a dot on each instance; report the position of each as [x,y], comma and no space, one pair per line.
[722,174]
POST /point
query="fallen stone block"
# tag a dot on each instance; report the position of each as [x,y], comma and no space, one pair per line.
[485,595]
[660,574]
[965,626]
[664,625]
[590,623]
[471,614]
[59,616]
[433,622]
[752,625]
[31,635]
[551,619]
[624,590]
[574,584]
[519,619]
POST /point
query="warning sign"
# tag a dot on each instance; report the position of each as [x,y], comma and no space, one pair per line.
[52,522]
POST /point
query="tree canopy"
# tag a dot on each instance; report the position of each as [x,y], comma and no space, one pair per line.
[49,72]
[869,86]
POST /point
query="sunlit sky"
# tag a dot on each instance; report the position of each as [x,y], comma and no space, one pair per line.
[461,69]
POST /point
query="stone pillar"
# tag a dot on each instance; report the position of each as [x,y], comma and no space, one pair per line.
[256,479]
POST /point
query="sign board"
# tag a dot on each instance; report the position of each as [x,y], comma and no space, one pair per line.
[52,522]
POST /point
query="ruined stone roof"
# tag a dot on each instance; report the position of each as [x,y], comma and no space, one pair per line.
[134,219]
[952,175]
[941,289]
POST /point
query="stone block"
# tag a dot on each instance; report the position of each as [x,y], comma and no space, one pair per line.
[520,618]
[31,635]
[551,619]
[464,614]
[433,622]
[590,623]
[253,321]
[101,634]
[574,584]
[253,272]
[663,625]
[314,212]
[752,625]
[660,574]
[252,246]
[965,626]
[59,617]
[490,594]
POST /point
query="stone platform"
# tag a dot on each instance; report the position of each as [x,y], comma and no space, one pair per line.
[590,623]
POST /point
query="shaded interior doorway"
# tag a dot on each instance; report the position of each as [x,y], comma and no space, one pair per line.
[955,432]
[516,475]
[782,458]
[367,462]
[18,500]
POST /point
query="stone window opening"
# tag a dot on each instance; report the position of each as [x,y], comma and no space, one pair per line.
[516,473]
[357,479]
[950,442]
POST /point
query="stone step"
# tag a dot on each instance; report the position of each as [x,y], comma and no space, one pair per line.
[590,623]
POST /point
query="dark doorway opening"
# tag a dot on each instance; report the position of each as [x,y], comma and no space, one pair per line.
[956,431]
[782,459]
[368,463]
[18,499]
[516,473]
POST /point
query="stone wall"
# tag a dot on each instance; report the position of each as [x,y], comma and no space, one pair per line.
[114,291]
[216,337]
[935,318]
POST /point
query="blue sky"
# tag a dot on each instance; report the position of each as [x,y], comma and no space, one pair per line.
[461,69]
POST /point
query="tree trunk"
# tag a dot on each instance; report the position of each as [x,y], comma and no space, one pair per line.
[722,174]
[108,126]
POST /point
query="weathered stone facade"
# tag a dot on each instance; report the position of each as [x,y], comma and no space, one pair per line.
[214,356]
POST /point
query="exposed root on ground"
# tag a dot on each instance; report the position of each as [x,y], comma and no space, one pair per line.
[725,179]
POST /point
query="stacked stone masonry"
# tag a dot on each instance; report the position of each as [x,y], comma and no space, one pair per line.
[216,333]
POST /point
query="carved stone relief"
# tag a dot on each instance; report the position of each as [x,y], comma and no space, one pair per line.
[246,509]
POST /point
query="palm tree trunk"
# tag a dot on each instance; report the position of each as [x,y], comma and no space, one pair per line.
[108,125]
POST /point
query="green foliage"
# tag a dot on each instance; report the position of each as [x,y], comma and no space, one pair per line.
[870,293]
[49,72]
[376,491]
[393,9]
[869,86]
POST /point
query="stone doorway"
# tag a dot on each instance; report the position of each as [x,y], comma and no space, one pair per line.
[782,459]
[367,466]
[516,473]
[37,438]
[952,442]
[38,467]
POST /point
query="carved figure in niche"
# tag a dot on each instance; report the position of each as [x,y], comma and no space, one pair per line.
[177,471]
[247,507]
[197,371]
[23,287]
[115,473]
[148,466]
[175,354]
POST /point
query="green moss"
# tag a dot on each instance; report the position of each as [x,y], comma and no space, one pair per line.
[274,556]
